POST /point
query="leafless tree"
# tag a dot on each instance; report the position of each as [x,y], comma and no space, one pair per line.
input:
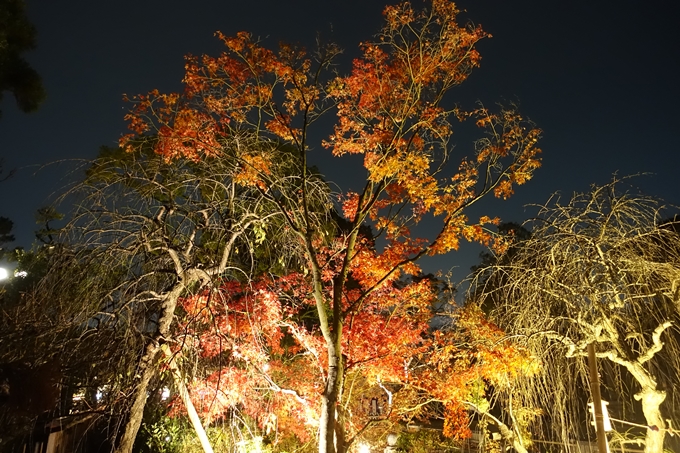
[599,269]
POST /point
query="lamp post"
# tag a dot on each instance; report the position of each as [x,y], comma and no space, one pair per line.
[602,445]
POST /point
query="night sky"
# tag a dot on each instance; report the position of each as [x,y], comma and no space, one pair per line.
[599,77]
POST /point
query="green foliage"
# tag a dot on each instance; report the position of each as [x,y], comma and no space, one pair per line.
[17,35]
[43,217]
[426,441]
[291,444]
[164,435]
[478,395]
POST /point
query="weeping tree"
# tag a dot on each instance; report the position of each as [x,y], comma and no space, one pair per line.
[602,270]
[145,234]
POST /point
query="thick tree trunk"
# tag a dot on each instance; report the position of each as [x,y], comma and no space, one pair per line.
[147,369]
[651,401]
[650,397]
[327,439]
[324,426]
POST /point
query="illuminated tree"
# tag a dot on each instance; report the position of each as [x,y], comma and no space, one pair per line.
[157,232]
[264,348]
[261,355]
[596,270]
[241,338]
[250,100]
[468,363]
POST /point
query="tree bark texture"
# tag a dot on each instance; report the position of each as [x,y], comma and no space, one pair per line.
[651,400]
[327,439]
[147,370]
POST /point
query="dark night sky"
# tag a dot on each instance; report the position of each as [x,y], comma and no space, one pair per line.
[599,77]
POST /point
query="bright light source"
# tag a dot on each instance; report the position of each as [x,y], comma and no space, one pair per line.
[98,395]
[22,274]
[165,394]
[364,448]
[605,415]
[3,273]
[253,445]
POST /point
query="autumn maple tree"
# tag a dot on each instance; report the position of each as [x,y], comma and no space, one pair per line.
[265,353]
[235,336]
[262,356]
[471,361]
[252,104]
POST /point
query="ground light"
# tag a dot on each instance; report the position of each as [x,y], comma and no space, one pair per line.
[364,448]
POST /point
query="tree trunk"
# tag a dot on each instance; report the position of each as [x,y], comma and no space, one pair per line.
[506,433]
[651,400]
[602,445]
[327,438]
[325,425]
[509,436]
[186,399]
[147,369]
[650,397]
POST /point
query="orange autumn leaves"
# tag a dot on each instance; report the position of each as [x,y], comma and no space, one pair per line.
[389,108]
[266,356]
[465,360]
[249,345]
[223,96]
[256,106]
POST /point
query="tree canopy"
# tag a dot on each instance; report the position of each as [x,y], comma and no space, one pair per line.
[226,259]
[17,36]
[598,269]
[390,109]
